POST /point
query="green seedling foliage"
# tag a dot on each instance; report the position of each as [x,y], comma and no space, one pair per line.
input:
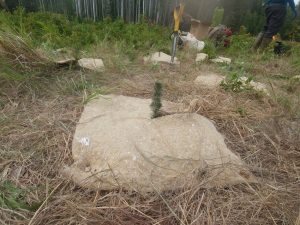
[241,111]
[239,44]
[235,83]
[12,197]
[156,100]
[210,49]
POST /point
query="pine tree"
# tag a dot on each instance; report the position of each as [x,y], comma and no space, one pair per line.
[156,100]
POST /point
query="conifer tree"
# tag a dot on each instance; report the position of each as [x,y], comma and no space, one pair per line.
[156,100]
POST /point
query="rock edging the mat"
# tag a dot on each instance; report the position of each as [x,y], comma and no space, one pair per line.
[117,145]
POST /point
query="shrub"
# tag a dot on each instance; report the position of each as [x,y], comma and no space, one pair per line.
[59,31]
[237,83]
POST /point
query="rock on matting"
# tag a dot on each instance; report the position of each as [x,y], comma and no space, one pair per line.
[64,56]
[116,144]
[65,61]
[296,78]
[201,57]
[221,59]
[91,64]
[192,42]
[160,57]
[257,86]
[209,80]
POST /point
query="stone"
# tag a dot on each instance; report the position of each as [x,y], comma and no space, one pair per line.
[221,59]
[160,57]
[201,57]
[296,78]
[209,80]
[63,56]
[257,86]
[66,61]
[118,145]
[193,42]
[92,64]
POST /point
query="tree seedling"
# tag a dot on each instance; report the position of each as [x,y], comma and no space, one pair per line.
[156,100]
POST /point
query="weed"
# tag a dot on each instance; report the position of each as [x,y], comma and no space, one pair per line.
[235,82]
[57,31]
[284,101]
[154,67]
[293,84]
[241,111]
[210,49]
[13,197]
[18,59]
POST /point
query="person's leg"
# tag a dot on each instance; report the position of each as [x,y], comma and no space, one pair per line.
[260,36]
[276,16]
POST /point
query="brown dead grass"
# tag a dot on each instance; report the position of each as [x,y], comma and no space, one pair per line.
[38,120]
[18,55]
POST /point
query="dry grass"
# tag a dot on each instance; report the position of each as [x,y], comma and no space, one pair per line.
[18,58]
[38,119]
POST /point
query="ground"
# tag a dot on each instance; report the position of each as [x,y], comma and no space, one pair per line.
[38,118]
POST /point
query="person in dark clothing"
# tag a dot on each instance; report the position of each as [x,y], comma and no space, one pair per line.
[3,5]
[275,11]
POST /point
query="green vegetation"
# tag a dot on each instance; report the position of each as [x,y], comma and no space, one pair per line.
[218,16]
[57,31]
[210,49]
[235,83]
[18,58]
[21,33]
[12,197]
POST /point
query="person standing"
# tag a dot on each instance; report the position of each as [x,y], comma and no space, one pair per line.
[3,5]
[275,11]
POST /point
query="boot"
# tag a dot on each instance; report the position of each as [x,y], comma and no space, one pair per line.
[257,42]
[265,43]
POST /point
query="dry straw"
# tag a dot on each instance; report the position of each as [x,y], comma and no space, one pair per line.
[37,137]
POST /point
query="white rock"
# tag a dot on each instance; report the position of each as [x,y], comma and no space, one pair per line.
[91,64]
[65,61]
[296,77]
[221,59]
[128,149]
[64,56]
[160,57]
[201,57]
[193,42]
[209,80]
[257,86]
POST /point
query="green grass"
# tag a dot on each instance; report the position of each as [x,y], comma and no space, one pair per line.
[117,42]
[57,31]
[13,197]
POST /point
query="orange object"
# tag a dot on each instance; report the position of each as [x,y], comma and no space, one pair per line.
[178,13]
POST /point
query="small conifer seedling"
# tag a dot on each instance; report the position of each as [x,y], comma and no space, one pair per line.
[156,100]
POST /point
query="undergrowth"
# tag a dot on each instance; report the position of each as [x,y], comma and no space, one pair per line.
[58,31]
[13,197]
[236,83]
